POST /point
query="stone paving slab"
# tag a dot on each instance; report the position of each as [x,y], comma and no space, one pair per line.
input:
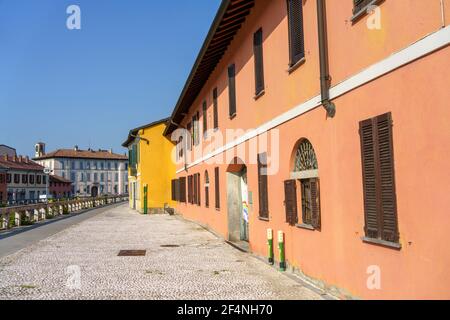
[196,265]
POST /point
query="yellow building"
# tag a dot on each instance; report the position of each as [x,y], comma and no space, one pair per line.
[150,169]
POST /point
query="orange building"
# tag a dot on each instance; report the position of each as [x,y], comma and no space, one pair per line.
[332,128]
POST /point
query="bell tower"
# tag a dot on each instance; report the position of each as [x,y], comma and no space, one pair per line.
[39,149]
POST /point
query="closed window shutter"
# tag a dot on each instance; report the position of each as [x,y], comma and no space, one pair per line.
[263,188]
[173,191]
[380,205]
[232,89]
[216,107]
[183,189]
[198,190]
[190,189]
[189,141]
[195,189]
[359,5]
[207,196]
[296,34]
[205,119]
[259,61]
[290,201]
[217,187]
[315,203]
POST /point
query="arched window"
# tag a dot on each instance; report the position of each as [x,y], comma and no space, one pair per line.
[206,189]
[305,173]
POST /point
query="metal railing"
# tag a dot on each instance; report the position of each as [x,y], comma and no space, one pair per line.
[17,216]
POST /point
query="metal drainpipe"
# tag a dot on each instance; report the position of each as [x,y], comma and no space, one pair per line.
[325,77]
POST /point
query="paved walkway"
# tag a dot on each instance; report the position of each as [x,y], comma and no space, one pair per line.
[183,261]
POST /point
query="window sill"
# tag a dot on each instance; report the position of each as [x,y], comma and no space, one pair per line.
[383,243]
[259,95]
[305,226]
[296,65]
[264,219]
[361,13]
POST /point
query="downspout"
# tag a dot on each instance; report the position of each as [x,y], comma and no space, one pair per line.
[443,13]
[325,78]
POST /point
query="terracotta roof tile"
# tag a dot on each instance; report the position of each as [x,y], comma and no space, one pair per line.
[83,154]
[19,163]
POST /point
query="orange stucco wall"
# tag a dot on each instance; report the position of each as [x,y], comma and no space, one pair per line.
[417,96]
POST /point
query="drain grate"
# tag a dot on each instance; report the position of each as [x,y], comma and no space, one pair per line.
[170,246]
[132,253]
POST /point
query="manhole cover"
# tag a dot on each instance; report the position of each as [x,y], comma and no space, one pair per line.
[170,246]
[132,253]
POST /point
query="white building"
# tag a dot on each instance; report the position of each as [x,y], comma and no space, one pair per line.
[92,172]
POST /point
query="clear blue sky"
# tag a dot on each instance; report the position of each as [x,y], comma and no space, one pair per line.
[89,87]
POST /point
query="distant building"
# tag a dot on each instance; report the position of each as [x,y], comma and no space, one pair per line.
[92,173]
[5,150]
[151,168]
[25,179]
[60,188]
[3,188]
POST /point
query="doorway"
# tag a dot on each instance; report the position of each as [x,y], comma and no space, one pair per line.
[94,192]
[237,202]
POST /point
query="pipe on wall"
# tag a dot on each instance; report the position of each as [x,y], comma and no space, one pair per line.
[443,13]
[325,78]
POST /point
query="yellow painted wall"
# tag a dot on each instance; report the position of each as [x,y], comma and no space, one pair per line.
[155,168]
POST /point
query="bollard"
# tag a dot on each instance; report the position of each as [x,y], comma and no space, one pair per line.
[270,244]
[282,252]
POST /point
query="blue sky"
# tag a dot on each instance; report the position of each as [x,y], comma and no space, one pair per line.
[89,87]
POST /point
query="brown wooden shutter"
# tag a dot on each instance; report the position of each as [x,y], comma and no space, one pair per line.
[183,189]
[216,108]
[380,205]
[195,200]
[232,89]
[190,196]
[205,119]
[296,34]
[263,187]
[173,191]
[198,190]
[290,201]
[259,61]
[359,5]
[315,203]
[207,196]
[217,187]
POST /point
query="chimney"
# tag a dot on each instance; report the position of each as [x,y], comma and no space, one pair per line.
[27,159]
[75,148]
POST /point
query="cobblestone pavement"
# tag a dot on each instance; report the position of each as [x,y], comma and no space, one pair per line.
[196,265]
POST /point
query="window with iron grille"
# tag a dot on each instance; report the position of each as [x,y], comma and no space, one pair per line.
[380,203]
[259,61]
[306,174]
[296,31]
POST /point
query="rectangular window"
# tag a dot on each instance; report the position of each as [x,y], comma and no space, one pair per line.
[198,190]
[16,178]
[205,119]
[44,179]
[183,189]
[195,200]
[8,178]
[296,32]
[190,142]
[38,179]
[380,203]
[259,62]
[190,190]
[216,109]
[361,5]
[24,178]
[31,179]
[263,186]
[232,90]
[217,187]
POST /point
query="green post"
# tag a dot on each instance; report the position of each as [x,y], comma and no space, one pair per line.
[282,252]
[270,243]
[145,199]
